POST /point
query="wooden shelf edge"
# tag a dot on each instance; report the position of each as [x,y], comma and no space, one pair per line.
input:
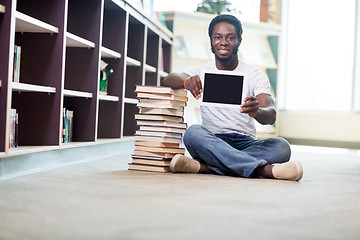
[132,62]
[149,68]
[163,73]
[73,93]
[131,100]
[25,23]
[27,150]
[112,140]
[75,144]
[75,41]
[108,53]
[24,87]
[110,98]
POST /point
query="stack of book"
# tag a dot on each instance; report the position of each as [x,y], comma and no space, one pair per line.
[161,127]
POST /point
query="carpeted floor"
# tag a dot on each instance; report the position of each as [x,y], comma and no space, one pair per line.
[102,200]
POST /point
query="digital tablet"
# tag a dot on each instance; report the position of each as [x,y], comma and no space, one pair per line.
[223,88]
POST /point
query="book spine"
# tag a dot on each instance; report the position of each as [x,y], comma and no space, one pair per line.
[16,130]
[71,117]
[12,143]
[17,57]
[64,126]
[15,64]
[18,63]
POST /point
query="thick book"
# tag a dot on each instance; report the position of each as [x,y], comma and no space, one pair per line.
[157,144]
[161,149]
[162,90]
[161,96]
[161,124]
[154,155]
[162,129]
[157,139]
[157,134]
[163,102]
[151,161]
[162,111]
[151,168]
[157,105]
[158,117]
[157,158]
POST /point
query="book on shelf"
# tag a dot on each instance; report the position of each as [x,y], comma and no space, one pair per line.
[161,96]
[158,117]
[157,139]
[162,111]
[162,90]
[161,126]
[14,133]
[17,58]
[68,117]
[150,168]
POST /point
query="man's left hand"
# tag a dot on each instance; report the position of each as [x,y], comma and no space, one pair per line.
[250,106]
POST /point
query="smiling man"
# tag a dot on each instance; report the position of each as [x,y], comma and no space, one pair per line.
[226,141]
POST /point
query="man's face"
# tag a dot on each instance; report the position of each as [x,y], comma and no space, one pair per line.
[224,42]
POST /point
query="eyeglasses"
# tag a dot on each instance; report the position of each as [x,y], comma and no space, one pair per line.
[229,38]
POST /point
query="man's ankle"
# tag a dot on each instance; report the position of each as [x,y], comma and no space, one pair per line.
[265,171]
[204,169]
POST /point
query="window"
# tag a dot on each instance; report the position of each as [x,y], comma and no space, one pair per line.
[318,52]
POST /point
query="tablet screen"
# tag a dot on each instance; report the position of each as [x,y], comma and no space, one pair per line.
[221,88]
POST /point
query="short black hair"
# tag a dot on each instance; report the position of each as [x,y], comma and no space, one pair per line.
[229,19]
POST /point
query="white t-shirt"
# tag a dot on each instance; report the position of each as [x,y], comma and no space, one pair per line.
[230,120]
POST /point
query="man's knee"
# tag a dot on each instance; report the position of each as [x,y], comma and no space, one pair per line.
[193,132]
[284,149]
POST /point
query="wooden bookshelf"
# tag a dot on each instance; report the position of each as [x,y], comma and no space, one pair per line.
[60,68]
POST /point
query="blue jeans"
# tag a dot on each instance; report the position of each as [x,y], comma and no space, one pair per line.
[234,154]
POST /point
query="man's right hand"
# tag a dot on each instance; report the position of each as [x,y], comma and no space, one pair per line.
[193,84]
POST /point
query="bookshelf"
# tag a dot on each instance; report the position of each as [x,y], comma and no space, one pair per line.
[62,44]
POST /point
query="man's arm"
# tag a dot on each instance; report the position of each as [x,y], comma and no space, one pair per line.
[175,80]
[183,80]
[261,107]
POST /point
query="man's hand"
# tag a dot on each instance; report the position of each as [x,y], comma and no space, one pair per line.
[193,84]
[261,108]
[250,106]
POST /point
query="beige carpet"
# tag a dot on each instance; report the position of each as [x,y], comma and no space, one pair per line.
[101,200]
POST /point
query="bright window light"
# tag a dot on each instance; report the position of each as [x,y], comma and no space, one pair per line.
[320,55]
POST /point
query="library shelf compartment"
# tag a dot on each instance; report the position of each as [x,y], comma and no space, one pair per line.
[39,120]
[130,126]
[112,53]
